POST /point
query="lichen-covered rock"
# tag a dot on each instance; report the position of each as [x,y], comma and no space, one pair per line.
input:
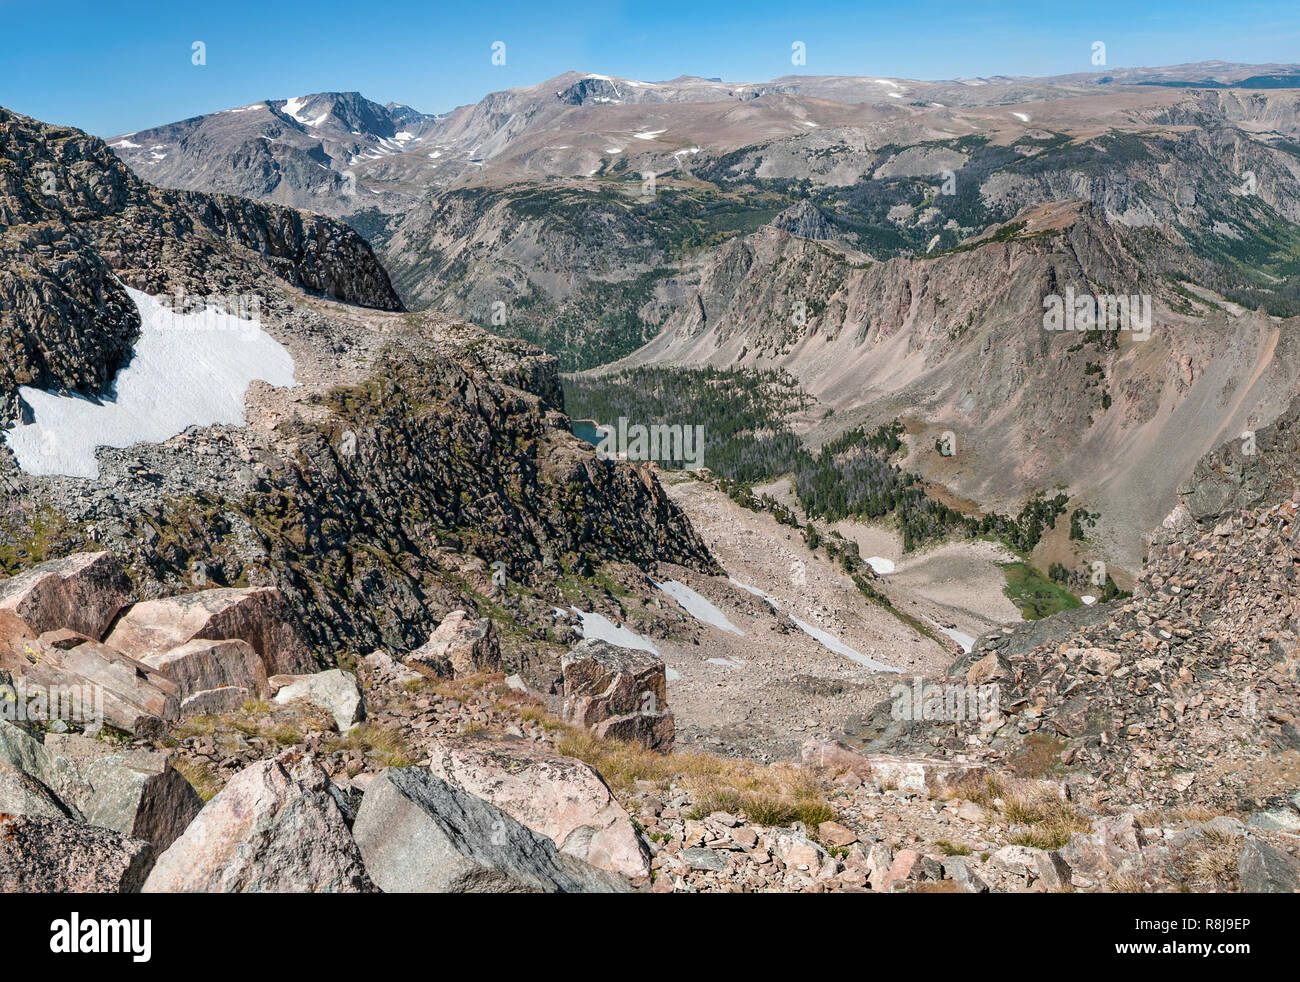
[56,855]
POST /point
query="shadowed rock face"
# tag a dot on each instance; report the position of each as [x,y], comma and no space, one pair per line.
[82,593]
[75,224]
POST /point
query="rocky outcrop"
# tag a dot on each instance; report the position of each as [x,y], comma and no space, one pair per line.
[133,791]
[805,220]
[1197,671]
[91,683]
[559,797]
[200,665]
[75,224]
[1256,469]
[209,651]
[275,828]
[375,538]
[258,616]
[619,693]
[420,835]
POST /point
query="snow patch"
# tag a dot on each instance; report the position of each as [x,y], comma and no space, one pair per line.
[186,370]
[831,643]
[601,628]
[965,640]
[697,606]
[827,640]
[881,565]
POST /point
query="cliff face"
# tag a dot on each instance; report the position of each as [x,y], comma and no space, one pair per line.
[391,505]
[76,224]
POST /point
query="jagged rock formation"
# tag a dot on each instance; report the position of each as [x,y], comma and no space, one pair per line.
[372,497]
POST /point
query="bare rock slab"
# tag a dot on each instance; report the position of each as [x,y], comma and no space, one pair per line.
[55,855]
[82,592]
[260,616]
[25,753]
[138,793]
[202,664]
[559,797]
[93,679]
[418,834]
[274,828]
[1266,869]
[22,794]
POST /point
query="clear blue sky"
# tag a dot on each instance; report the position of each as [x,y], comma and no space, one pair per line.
[112,66]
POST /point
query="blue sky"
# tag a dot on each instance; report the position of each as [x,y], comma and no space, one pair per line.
[113,66]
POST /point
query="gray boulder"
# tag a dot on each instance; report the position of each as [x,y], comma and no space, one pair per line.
[1266,869]
[22,794]
[418,834]
[138,793]
[335,691]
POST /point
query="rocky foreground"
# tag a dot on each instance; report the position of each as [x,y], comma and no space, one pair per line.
[225,762]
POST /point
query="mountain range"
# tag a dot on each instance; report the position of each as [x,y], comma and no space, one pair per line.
[889,242]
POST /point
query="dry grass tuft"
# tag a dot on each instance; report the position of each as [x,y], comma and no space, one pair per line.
[202,777]
[1050,821]
[777,794]
[387,746]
